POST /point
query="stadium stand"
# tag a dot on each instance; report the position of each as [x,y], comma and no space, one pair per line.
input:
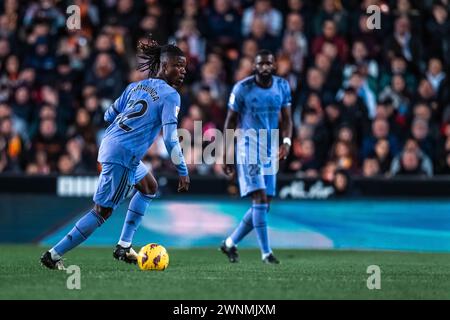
[371,102]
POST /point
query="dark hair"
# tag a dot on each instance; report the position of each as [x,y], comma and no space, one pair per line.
[265,53]
[152,53]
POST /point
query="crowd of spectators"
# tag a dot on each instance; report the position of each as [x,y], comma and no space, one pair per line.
[370,101]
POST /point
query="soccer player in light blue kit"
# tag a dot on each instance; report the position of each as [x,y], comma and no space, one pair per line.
[136,119]
[256,103]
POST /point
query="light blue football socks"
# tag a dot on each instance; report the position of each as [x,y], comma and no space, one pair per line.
[260,225]
[255,217]
[80,232]
[243,228]
[136,210]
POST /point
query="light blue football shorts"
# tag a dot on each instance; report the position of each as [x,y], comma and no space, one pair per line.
[115,183]
[251,178]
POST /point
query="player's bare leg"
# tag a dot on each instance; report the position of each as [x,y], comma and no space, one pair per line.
[146,190]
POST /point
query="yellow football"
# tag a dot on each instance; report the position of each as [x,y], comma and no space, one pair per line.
[153,257]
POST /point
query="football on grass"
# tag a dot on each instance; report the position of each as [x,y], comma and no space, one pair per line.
[153,257]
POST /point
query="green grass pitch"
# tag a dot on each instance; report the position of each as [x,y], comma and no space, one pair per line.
[206,274]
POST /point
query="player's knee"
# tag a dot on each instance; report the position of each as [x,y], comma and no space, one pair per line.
[147,186]
[103,212]
[152,187]
[260,197]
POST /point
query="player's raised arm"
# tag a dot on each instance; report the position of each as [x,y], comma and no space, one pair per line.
[170,136]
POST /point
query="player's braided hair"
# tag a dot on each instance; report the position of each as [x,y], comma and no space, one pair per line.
[151,53]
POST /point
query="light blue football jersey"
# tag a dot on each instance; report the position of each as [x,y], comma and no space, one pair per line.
[258,108]
[136,119]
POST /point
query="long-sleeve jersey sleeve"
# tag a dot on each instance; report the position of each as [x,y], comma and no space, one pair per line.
[170,137]
[169,122]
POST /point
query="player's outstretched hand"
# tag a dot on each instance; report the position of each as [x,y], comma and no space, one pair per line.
[183,184]
[283,152]
[228,169]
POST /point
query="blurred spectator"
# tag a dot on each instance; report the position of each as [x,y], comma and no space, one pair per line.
[65,165]
[42,59]
[361,61]
[188,31]
[331,10]
[304,162]
[371,168]
[11,147]
[426,94]
[285,70]
[360,83]
[210,78]
[420,132]
[329,34]
[5,49]
[328,172]
[343,154]
[438,32]
[342,184]
[435,74]
[105,77]
[245,68]
[398,93]
[39,164]
[303,8]
[22,105]
[11,72]
[263,38]
[380,130]
[315,80]
[189,9]
[19,125]
[354,112]
[295,39]
[48,141]
[84,130]
[126,16]
[412,161]
[382,153]
[439,82]
[369,36]
[398,66]
[404,42]
[45,10]
[224,26]
[294,52]
[409,164]
[270,17]
[250,48]
[83,161]
[406,8]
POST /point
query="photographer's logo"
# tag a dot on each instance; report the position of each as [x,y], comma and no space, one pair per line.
[374,280]
[374,20]
[74,280]
[73,22]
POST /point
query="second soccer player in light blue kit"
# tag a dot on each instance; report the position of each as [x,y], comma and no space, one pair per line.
[136,118]
[255,104]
